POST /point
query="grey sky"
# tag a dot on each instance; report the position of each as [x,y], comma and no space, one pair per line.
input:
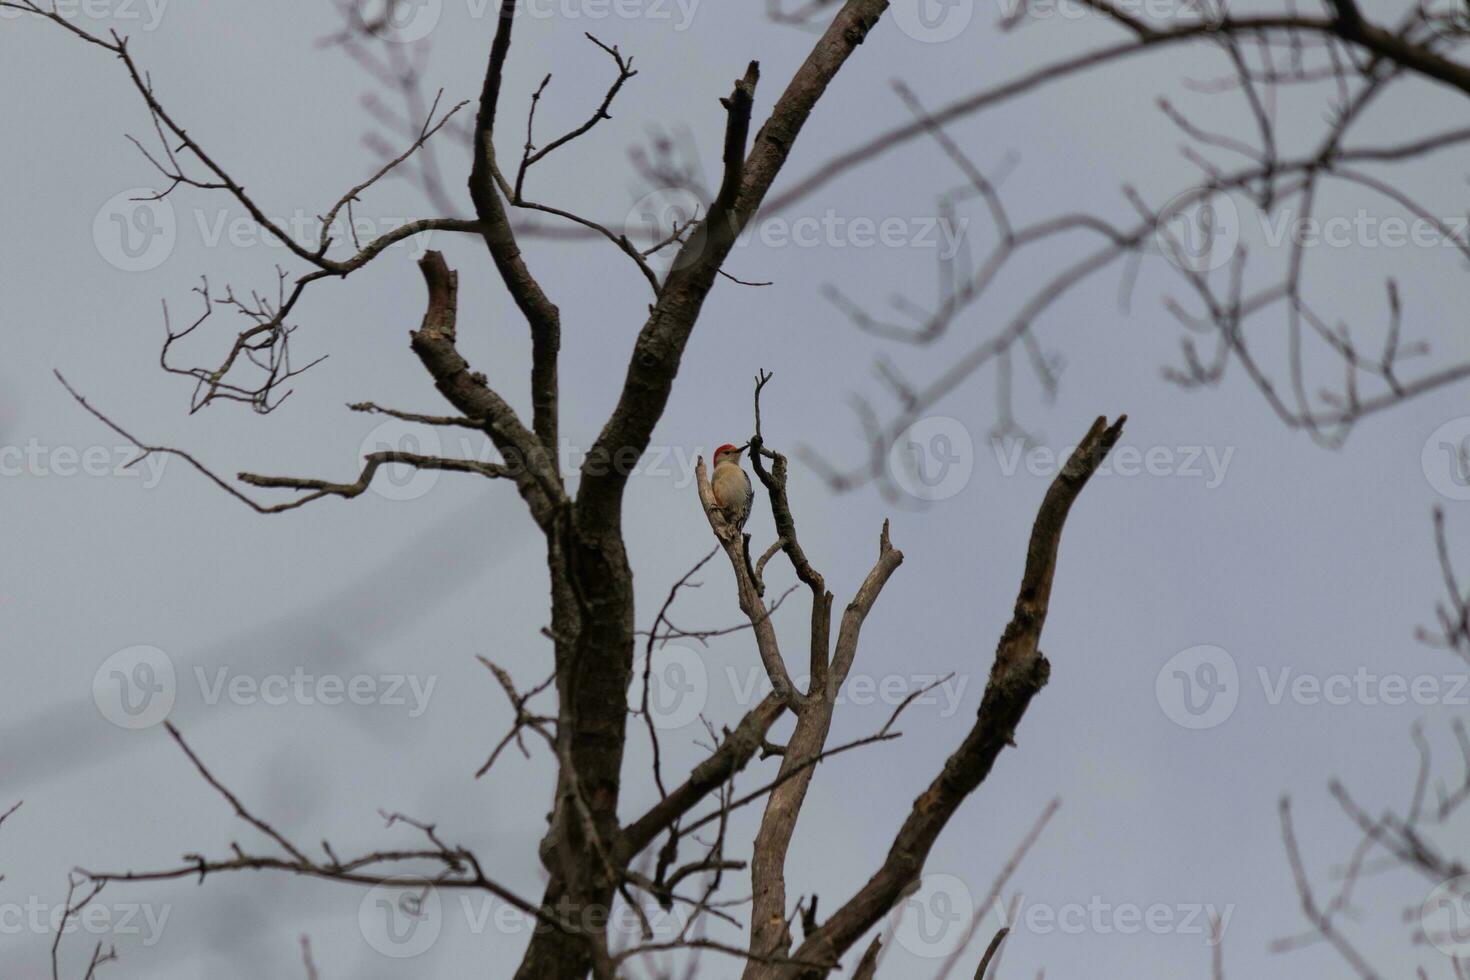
[1285,555]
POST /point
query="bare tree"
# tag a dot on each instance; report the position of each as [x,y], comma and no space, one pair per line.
[1413,843]
[593,859]
[1341,363]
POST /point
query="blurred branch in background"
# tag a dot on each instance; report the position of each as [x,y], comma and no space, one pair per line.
[1415,842]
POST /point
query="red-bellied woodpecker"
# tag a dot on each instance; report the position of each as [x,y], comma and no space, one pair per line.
[731,486]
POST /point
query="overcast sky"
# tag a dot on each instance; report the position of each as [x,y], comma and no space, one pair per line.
[1215,528]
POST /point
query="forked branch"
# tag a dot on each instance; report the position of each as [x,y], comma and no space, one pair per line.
[1018,673]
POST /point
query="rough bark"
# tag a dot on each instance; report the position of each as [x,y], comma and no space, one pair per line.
[1018,673]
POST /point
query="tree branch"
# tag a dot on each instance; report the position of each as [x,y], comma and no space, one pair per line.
[529,460]
[541,314]
[769,934]
[750,601]
[661,342]
[1019,672]
[733,754]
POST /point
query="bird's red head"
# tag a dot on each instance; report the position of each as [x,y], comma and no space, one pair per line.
[728,448]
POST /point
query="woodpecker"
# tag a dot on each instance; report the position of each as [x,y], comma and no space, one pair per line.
[731,486]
